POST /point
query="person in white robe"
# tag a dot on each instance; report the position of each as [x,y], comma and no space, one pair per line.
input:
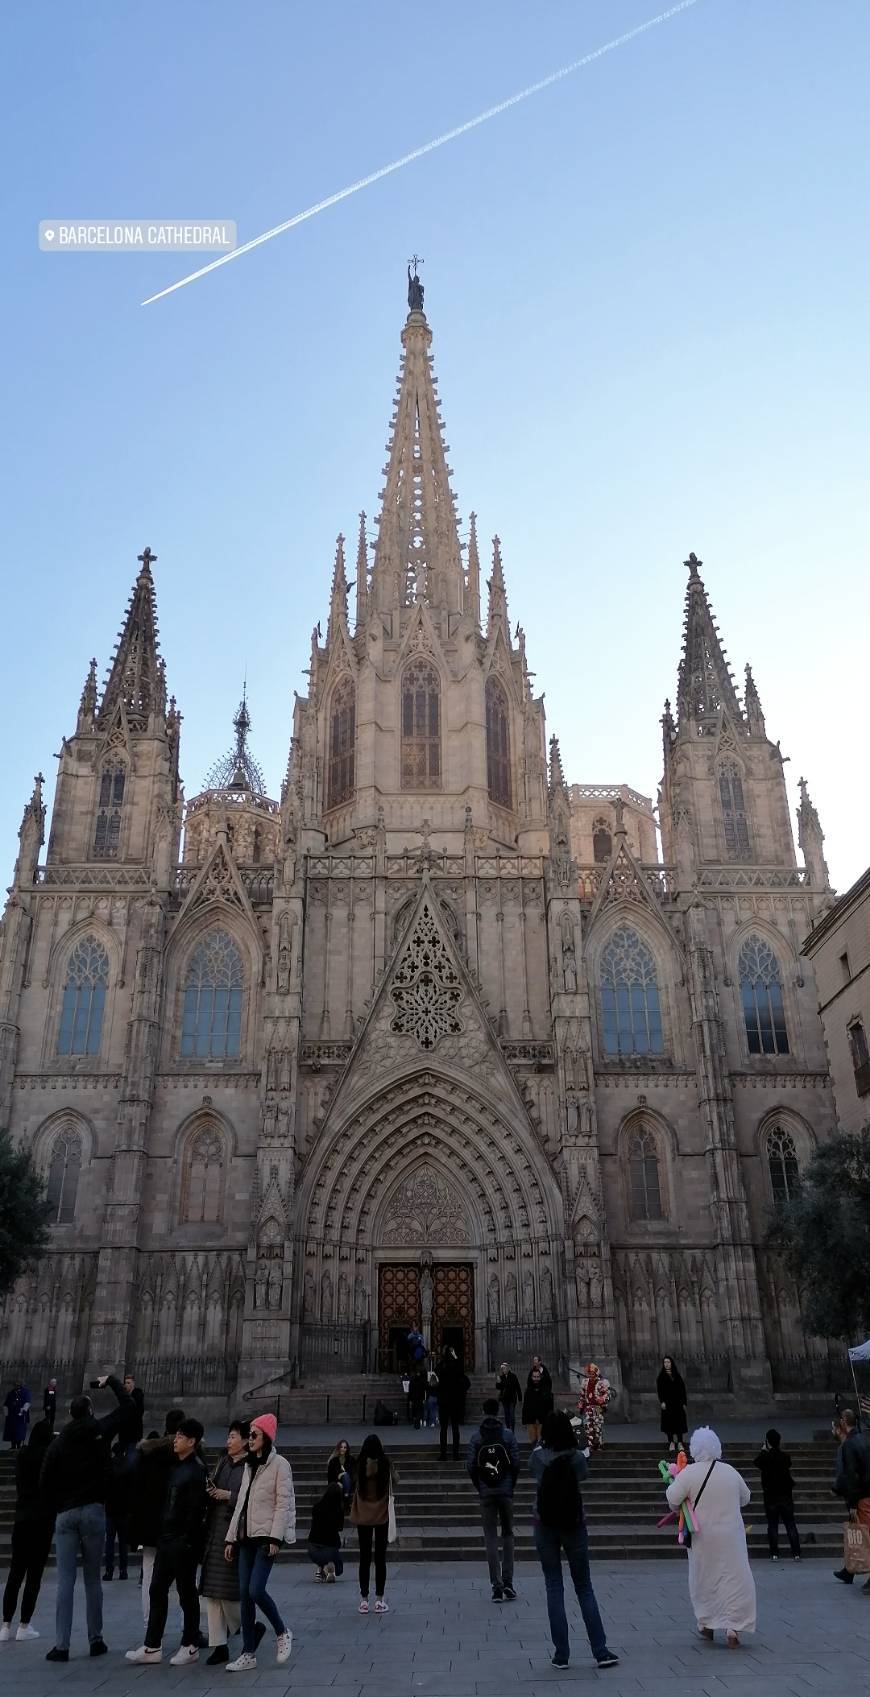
[721,1586]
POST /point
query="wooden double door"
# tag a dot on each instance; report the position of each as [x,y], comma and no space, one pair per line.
[399,1311]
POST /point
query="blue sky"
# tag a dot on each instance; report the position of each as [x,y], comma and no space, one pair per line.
[648,290]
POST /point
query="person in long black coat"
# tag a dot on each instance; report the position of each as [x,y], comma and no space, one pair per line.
[671,1392]
[219,1580]
[451,1396]
[32,1532]
[537,1402]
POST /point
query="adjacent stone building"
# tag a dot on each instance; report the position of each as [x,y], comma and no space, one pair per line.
[435,1036]
[839,948]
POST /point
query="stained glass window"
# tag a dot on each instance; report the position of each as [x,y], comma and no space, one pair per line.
[212,1020]
[342,737]
[644,1185]
[630,1007]
[782,1165]
[63,1176]
[421,727]
[84,998]
[761,994]
[498,757]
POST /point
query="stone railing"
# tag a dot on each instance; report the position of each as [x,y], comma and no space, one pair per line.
[753,878]
[232,798]
[660,880]
[610,792]
[99,875]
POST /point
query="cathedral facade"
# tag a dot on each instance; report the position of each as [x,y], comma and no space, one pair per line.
[438,1036]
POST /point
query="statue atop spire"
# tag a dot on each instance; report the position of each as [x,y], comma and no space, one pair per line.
[415,287]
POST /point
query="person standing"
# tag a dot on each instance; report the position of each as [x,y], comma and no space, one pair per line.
[219,1580]
[32,1532]
[149,1481]
[778,1489]
[537,1402]
[417,1395]
[559,1469]
[509,1393]
[17,1407]
[852,1479]
[178,1551]
[671,1392]
[721,1585]
[594,1397]
[327,1525]
[451,1394]
[73,1484]
[493,1465]
[49,1402]
[264,1518]
[370,1513]
[117,1509]
[432,1398]
[135,1424]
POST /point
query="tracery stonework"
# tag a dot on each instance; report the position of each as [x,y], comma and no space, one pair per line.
[425,1210]
[426,999]
[425,987]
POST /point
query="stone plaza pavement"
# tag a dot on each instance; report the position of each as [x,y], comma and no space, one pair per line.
[444,1636]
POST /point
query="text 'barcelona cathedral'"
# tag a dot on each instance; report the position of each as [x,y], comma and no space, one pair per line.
[439,1036]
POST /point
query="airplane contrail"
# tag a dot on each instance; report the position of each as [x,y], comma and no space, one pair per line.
[429,146]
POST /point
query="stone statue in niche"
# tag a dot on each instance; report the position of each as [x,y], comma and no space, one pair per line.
[343,1297]
[547,1304]
[360,1305]
[510,1297]
[326,1296]
[284,954]
[261,1278]
[492,1298]
[427,1288]
[275,1286]
[529,1296]
[571,1113]
[569,961]
[308,1295]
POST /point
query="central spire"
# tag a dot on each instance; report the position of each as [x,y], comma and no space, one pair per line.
[417,555]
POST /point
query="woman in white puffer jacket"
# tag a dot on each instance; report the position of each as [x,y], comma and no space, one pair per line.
[264,1519]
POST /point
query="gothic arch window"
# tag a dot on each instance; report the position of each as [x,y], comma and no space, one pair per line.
[602,841]
[644,1176]
[84,999]
[761,996]
[211,1027]
[110,801]
[630,1006]
[202,1177]
[65,1164]
[498,753]
[734,821]
[421,727]
[342,740]
[783,1170]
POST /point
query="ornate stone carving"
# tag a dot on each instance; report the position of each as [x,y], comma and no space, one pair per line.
[426,989]
[425,1210]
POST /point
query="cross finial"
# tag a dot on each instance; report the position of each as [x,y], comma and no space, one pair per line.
[693,563]
[145,559]
[415,260]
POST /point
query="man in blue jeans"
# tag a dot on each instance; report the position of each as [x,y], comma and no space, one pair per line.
[73,1485]
[559,1469]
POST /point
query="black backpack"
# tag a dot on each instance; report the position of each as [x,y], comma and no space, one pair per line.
[559,1501]
[493,1465]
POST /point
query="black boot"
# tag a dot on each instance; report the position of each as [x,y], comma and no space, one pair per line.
[844,1577]
[218,1655]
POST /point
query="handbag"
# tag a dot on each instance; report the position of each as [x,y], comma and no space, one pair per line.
[856,1547]
[392,1533]
[687,1535]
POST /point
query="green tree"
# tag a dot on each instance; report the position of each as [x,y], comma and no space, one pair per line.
[822,1238]
[23,1212]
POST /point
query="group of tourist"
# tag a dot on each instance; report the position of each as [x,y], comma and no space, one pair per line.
[215,1536]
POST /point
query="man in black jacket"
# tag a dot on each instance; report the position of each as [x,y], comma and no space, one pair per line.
[73,1485]
[509,1393]
[155,1457]
[776,1483]
[179,1548]
[852,1479]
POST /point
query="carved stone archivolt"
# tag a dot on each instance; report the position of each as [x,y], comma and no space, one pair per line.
[425,1210]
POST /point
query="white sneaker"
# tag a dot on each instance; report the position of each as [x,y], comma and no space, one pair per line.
[284,1646]
[5,1631]
[144,1655]
[187,1653]
[381,1607]
[242,1663]
[27,1631]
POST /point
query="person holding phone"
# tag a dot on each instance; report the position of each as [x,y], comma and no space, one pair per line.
[73,1484]
[219,1580]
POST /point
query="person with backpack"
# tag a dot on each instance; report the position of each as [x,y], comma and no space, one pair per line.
[778,1488]
[559,1469]
[493,1465]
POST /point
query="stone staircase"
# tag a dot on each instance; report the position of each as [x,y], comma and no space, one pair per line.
[348,1400]
[439,1520]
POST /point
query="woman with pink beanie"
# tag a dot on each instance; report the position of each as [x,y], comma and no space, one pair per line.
[264,1519]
